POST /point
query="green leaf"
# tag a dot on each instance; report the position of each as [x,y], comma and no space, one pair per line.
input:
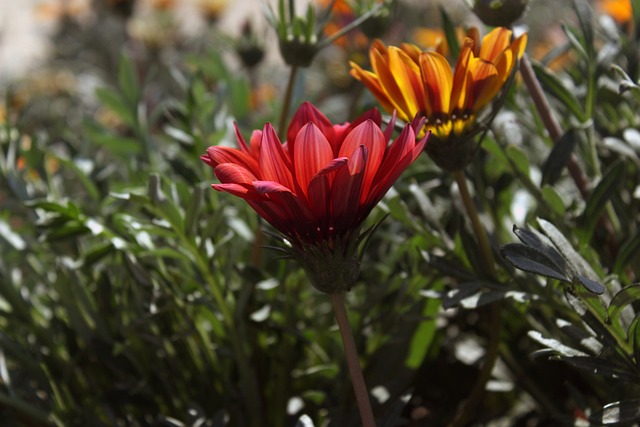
[626,296]
[603,367]
[566,249]
[553,199]
[115,103]
[450,33]
[70,229]
[634,331]
[628,253]
[240,93]
[533,261]
[519,159]
[592,285]
[585,18]
[85,180]
[96,253]
[558,157]
[423,335]
[118,145]
[575,41]
[598,199]
[556,88]
[614,413]
[555,345]
[128,81]
[193,211]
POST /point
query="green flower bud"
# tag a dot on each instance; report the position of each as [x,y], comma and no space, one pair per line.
[499,13]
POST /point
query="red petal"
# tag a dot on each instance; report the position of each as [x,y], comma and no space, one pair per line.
[400,155]
[219,155]
[232,173]
[274,163]
[369,135]
[305,114]
[319,188]
[311,153]
[346,190]
[239,190]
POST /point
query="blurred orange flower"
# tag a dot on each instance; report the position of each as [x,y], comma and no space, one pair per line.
[341,15]
[415,82]
[620,10]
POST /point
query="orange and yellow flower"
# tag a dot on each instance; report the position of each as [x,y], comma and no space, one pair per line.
[415,82]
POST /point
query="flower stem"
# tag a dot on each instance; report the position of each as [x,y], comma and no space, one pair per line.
[351,353]
[478,229]
[550,122]
[495,309]
[286,102]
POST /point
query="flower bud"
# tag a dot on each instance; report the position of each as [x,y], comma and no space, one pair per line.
[499,13]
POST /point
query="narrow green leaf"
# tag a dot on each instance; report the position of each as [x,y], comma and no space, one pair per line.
[585,18]
[127,80]
[634,331]
[628,253]
[635,7]
[115,103]
[553,199]
[519,158]
[556,88]
[193,211]
[626,296]
[423,335]
[602,367]
[555,345]
[598,199]
[616,413]
[450,33]
[96,253]
[575,41]
[239,96]
[558,157]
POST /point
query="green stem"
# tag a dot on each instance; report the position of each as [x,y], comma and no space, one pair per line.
[495,309]
[286,102]
[478,229]
[351,353]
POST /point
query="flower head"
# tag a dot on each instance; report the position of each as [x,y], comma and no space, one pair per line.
[319,186]
[415,82]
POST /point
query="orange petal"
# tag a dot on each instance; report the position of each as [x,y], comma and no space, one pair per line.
[437,79]
[460,76]
[484,84]
[388,82]
[407,76]
[494,43]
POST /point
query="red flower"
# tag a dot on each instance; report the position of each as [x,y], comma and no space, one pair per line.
[319,186]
